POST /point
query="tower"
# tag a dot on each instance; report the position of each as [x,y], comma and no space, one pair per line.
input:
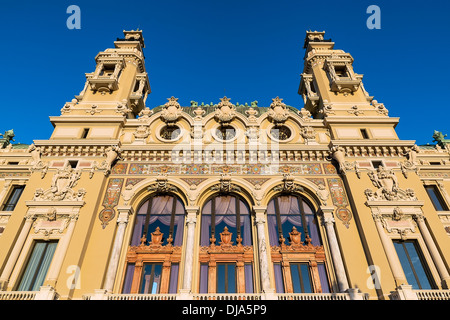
[115,91]
[333,91]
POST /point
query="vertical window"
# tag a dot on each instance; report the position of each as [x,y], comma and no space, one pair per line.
[204,268]
[11,203]
[286,212]
[301,281]
[36,269]
[279,283]
[436,198]
[151,278]
[364,134]
[411,259]
[226,278]
[85,133]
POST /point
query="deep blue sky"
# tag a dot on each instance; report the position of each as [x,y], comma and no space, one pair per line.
[247,50]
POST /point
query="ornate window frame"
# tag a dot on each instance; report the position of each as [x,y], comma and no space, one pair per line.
[227,252]
[155,251]
[297,252]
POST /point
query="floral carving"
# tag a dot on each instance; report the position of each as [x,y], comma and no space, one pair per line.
[62,186]
[112,154]
[171,111]
[278,111]
[225,111]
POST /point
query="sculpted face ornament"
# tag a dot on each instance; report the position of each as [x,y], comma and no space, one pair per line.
[171,111]
[225,111]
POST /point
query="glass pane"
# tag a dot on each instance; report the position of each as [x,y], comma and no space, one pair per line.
[279,284]
[203,278]
[231,276]
[418,266]
[305,278]
[37,266]
[151,278]
[173,283]
[13,199]
[323,278]
[300,278]
[407,268]
[163,222]
[128,278]
[221,278]
[248,270]
[33,264]
[296,284]
[437,202]
[44,265]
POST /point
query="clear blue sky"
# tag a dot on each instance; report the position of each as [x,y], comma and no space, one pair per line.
[247,50]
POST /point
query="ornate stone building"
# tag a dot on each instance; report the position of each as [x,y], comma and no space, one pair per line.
[224,200]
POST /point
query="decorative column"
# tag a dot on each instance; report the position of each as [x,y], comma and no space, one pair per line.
[260,222]
[60,253]
[191,221]
[4,278]
[391,254]
[122,222]
[328,221]
[445,277]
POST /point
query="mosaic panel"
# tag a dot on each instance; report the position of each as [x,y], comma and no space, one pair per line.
[110,201]
[307,168]
[141,168]
[337,192]
[317,181]
[328,168]
[133,181]
[194,181]
[120,168]
[257,181]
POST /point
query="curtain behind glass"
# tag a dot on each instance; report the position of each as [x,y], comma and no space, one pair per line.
[160,214]
[37,266]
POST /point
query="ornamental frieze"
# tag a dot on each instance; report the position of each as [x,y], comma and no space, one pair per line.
[142,168]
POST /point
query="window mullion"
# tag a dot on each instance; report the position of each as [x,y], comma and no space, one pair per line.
[147,218]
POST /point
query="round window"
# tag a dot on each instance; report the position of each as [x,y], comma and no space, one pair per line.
[280,133]
[225,133]
[170,132]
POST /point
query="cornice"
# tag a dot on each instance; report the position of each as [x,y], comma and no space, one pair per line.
[367,119]
[85,119]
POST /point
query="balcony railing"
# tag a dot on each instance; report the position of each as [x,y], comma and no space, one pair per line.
[17,295]
[433,294]
[314,296]
[226,296]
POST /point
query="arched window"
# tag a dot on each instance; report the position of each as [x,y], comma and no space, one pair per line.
[226,252]
[165,212]
[154,254]
[297,251]
[288,211]
[226,211]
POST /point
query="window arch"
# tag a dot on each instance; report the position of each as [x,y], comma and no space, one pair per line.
[226,251]
[154,255]
[298,256]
